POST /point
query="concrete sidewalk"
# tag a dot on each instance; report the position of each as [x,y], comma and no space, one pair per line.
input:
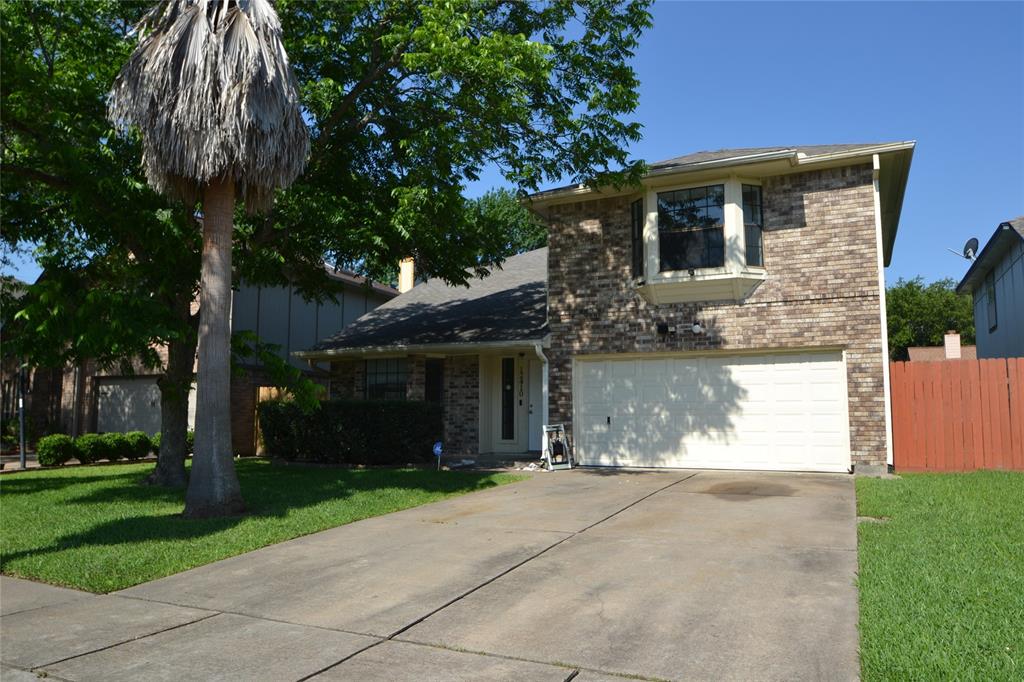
[592,574]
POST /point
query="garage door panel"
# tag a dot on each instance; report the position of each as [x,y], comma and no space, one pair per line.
[784,412]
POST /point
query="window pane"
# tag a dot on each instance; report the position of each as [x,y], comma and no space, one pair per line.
[690,228]
[753,222]
[694,249]
[753,237]
[638,237]
[386,379]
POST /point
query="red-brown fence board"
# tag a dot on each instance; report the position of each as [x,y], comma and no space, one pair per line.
[958,415]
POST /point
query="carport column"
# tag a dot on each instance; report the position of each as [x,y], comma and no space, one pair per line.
[876,169]
[543,395]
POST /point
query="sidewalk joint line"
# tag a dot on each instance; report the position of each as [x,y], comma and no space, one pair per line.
[127,641]
[497,577]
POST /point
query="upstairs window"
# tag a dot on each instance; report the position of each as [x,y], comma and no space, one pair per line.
[691,228]
[990,299]
[637,236]
[386,379]
[753,224]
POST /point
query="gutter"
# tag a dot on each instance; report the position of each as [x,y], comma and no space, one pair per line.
[794,157]
[399,349]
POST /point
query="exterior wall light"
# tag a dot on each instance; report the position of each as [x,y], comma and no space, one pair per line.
[697,328]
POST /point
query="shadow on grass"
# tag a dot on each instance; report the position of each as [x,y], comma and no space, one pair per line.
[269,491]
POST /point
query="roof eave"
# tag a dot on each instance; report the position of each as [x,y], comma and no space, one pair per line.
[994,248]
[796,159]
[405,349]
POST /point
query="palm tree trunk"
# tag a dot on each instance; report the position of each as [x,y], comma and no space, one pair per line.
[175,385]
[213,488]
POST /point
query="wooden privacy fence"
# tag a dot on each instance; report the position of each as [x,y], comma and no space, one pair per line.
[958,415]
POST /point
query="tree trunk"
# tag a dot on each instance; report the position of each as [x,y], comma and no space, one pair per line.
[213,488]
[175,385]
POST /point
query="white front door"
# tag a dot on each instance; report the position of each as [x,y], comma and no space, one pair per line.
[773,412]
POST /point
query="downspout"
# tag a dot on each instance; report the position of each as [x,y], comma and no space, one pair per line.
[539,350]
[876,171]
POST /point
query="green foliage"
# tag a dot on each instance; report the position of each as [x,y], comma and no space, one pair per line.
[97,529]
[920,314]
[90,447]
[501,213]
[138,445]
[55,450]
[246,346]
[115,446]
[190,439]
[351,431]
[941,582]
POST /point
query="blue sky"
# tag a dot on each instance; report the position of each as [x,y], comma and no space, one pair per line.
[949,75]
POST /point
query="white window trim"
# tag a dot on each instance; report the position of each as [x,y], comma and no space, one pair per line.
[732,281]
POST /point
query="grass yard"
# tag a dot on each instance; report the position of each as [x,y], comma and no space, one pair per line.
[942,581]
[96,529]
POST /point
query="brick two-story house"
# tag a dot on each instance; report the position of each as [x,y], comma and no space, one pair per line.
[727,313]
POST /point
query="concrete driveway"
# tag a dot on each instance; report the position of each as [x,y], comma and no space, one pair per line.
[584,575]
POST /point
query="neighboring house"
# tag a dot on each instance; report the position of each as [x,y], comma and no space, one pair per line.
[84,398]
[949,350]
[995,280]
[727,314]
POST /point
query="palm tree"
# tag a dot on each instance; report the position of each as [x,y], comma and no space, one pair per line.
[211,92]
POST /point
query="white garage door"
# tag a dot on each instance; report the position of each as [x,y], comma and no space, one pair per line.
[128,404]
[784,412]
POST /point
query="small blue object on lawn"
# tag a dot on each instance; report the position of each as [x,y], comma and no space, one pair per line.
[438,451]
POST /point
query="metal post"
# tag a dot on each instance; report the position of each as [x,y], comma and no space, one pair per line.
[21,414]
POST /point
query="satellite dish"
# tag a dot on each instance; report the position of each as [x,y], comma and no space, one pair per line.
[971,248]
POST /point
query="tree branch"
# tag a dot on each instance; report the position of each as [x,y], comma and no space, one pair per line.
[54,181]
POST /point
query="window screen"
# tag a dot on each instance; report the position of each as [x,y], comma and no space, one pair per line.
[386,379]
[690,228]
[753,224]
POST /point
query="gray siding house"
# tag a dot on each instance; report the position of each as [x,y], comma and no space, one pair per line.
[728,313]
[995,281]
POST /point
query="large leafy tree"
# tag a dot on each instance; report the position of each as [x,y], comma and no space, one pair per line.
[920,314]
[121,264]
[405,102]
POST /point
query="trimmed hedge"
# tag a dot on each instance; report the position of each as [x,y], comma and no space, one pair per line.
[137,445]
[55,450]
[115,446]
[190,439]
[91,448]
[351,431]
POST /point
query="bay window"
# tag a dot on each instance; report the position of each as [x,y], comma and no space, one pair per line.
[702,241]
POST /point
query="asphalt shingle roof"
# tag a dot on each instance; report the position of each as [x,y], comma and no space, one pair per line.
[508,305]
[721,154]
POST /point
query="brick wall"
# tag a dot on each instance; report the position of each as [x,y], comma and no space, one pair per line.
[462,404]
[822,290]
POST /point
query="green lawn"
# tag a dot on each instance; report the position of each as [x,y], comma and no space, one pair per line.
[942,581]
[96,529]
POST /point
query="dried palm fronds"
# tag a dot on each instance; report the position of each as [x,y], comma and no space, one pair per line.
[210,89]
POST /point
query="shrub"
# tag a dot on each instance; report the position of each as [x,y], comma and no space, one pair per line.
[55,450]
[351,431]
[190,439]
[90,448]
[138,445]
[115,446]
